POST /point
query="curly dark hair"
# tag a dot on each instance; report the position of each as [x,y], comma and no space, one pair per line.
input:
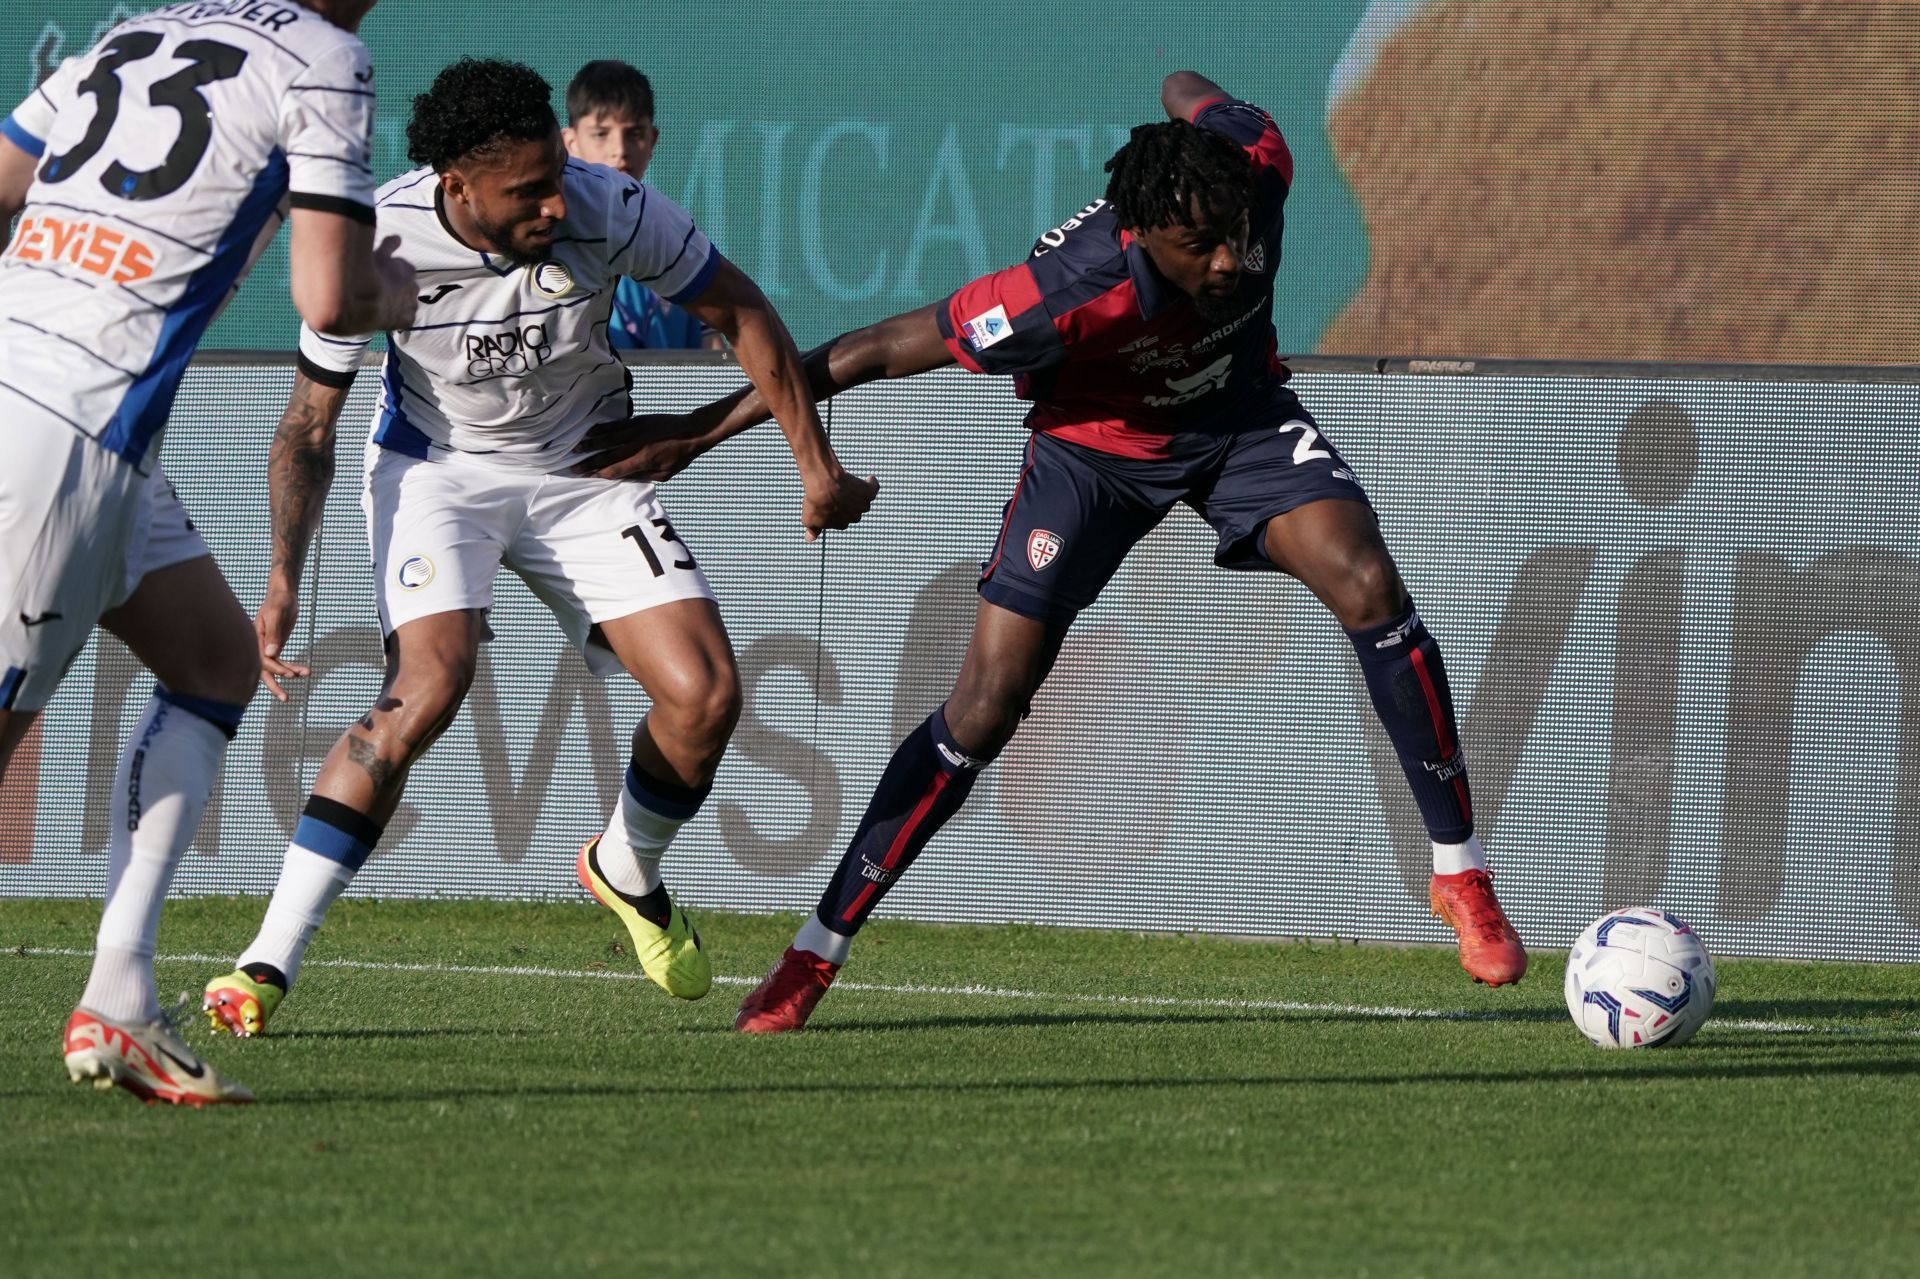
[1163,166]
[475,105]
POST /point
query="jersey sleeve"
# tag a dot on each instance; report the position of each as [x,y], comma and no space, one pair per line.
[1000,324]
[656,243]
[330,361]
[1253,129]
[326,132]
[31,123]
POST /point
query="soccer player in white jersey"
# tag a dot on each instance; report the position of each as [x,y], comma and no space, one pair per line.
[149,172]
[504,370]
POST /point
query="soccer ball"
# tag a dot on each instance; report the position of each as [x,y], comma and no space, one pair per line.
[1639,978]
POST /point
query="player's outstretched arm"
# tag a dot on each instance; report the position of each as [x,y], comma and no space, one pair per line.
[1185,92]
[342,285]
[300,471]
[659,447]
[734,306]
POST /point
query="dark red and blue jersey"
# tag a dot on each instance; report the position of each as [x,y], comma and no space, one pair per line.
[1112,355]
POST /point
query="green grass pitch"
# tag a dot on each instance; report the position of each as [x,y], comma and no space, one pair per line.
[486,1089]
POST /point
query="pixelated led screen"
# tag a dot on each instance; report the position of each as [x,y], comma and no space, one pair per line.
[1681,620]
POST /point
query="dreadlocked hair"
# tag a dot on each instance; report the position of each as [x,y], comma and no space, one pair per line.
[476,105]
[1163,167]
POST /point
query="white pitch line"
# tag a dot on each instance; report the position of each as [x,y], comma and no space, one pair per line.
[1381,1012]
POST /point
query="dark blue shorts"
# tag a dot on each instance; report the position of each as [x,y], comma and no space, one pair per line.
[1076,512]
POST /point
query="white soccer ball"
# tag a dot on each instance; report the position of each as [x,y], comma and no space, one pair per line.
[1639,978]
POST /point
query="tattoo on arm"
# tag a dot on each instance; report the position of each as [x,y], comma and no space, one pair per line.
[300,470]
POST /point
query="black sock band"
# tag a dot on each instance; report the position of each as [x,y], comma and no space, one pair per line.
[655,906]
[343,819]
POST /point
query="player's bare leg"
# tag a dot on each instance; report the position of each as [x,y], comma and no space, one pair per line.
[184,624]
[1008,658]
[680,654]
[430,667]
[14,727]
[1335,548]
[925,783]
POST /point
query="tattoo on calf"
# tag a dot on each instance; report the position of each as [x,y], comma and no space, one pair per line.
[384,704]
[364,753]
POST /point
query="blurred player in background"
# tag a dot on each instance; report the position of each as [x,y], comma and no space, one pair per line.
[1142,331]
[483,400]
[152,170]
[610,121]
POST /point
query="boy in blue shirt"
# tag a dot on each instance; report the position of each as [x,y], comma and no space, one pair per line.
[610,122]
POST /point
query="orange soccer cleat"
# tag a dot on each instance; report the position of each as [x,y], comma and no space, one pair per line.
[1490,950]
[785,999]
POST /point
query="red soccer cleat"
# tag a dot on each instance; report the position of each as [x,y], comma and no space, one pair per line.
[147,1059]
[1490,950]
[786,998]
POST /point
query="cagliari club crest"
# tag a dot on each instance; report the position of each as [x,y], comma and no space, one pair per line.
[1042,548]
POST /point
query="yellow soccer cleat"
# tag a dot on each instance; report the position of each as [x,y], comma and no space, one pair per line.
[150,1061]
[670,956]
[238,1005]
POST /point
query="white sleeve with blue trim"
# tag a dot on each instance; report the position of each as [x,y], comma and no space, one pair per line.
[31,123]
[326,132]
[331,361]
[656,242]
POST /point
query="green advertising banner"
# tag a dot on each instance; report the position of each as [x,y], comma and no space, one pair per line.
[1666,180]
[856,159]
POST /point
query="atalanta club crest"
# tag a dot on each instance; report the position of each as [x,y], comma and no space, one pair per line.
[1042,548]
[551,278]
[415,572]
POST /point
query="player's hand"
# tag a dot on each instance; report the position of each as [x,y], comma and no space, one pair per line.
[836,501]
[652,446]
[399,288]
[272,625]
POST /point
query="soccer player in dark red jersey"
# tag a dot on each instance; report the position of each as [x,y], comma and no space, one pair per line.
[1141,329]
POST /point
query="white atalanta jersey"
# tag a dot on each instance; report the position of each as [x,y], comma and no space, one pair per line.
[509,364]
[167,154]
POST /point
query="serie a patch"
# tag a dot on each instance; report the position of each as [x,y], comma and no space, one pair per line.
[985,329]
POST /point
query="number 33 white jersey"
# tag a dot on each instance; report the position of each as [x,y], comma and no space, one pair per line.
[167,154]
[508,364]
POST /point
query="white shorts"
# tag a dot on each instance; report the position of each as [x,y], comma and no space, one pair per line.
[593,550]
[79,528]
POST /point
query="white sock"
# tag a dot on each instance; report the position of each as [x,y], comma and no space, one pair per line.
[160,789]
[1452,859]
[630,851]
[308,885]
[816,937]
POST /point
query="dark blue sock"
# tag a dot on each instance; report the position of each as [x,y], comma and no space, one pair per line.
[224,716]
[1408,684]
[926,781]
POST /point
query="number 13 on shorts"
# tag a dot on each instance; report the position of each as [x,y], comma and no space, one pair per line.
[638,535]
